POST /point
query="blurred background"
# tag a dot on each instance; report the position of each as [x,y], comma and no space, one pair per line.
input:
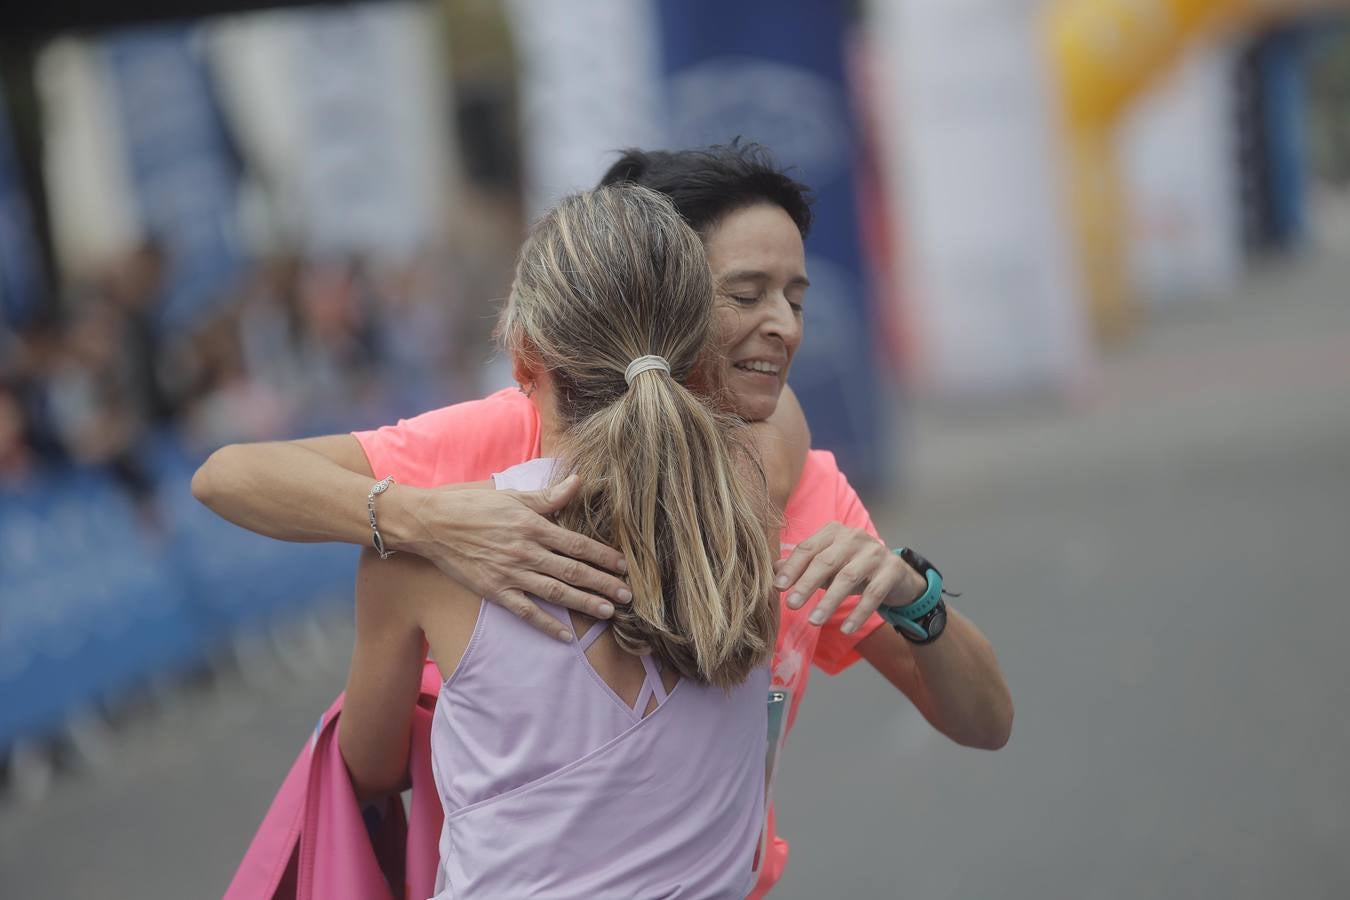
[1079,329]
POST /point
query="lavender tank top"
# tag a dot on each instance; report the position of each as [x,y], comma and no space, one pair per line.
[553,787]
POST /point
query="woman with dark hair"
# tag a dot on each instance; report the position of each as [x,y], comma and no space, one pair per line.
[846,596]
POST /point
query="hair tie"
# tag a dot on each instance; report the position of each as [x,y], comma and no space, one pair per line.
[645,364]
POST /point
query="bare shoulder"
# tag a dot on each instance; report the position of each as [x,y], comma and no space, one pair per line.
[782,441]
[405,570]
[401,589]
[406,595]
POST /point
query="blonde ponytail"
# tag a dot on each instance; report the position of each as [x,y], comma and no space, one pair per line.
[606,278]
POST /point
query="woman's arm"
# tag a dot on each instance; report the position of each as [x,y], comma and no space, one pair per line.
[955,682]
[498,544]
[782,441]
[310,490]
[374,730]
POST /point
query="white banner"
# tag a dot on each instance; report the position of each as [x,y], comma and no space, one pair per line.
[970,142]
[589,85]
[1178,154]
[89,191]
[346,112]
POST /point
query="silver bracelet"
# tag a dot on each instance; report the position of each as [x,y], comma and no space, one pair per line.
[376,538]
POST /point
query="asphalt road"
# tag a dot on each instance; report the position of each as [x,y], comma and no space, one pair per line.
[1160,568]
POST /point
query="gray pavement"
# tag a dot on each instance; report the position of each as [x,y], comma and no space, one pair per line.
[1159,569]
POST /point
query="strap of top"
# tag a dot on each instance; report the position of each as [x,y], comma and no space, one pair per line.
[651,684]
[597,628]
[654,679]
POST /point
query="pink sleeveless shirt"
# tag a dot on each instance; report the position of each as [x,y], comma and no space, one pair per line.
[554,787]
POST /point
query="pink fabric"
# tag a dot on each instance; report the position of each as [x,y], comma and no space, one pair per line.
[470,441]
[313,843]
[822,495]
[456,444]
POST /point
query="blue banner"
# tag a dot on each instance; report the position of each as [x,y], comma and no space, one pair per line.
[183,168]
[94,604]
[1281,61]
[773,73]
[21,280]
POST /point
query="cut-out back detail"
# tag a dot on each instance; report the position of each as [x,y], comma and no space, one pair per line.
[651,694]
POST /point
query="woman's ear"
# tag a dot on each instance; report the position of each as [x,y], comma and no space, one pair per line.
[523,368]
[521,372]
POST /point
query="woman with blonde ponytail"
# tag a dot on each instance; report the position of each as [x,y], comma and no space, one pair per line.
[664,480]
[628,762]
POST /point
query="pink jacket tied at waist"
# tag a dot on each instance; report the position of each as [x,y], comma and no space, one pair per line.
[314,843]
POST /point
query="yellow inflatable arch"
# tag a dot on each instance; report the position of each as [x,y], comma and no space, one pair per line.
[1105,53]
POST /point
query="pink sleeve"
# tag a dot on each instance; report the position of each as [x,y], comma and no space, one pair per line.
[837,651]
[455,444]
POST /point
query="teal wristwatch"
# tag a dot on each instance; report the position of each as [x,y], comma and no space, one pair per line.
[924,620]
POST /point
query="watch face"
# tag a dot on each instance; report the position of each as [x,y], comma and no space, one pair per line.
[937,622]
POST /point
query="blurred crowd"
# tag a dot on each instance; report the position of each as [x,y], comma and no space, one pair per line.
[318,330]
[297,346]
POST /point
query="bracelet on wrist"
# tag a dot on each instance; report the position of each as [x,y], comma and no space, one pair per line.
[376,538]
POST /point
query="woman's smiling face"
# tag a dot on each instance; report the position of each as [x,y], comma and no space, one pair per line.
[759,265]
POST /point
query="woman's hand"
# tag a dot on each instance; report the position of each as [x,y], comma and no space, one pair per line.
[499,545]
[848,561]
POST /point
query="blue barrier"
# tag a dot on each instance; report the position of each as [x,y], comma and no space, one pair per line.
[92,604]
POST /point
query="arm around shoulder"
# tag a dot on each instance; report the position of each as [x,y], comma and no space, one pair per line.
[783,440]
[307,490]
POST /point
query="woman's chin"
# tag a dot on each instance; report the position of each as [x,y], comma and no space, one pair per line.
[754,407]
[754,394]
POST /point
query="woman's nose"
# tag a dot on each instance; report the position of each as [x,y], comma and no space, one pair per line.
[782,322]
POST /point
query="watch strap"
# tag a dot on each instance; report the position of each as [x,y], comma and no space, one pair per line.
[927,601]
[910,619]
[911,630]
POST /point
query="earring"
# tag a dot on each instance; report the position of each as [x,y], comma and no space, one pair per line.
[527,393]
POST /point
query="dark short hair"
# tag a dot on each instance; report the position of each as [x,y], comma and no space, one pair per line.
[708,183]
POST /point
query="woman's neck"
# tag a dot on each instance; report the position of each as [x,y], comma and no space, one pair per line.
[549,433]
[549,441]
